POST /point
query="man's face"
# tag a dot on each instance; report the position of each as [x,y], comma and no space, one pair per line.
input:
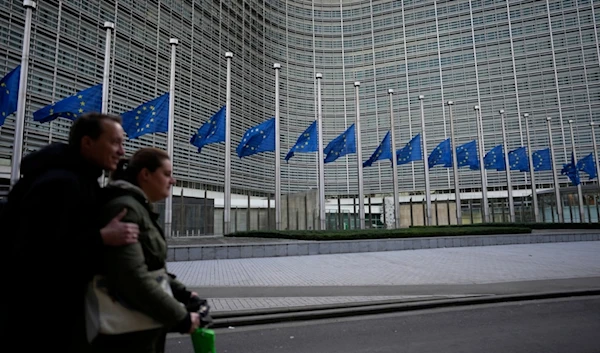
[107,149]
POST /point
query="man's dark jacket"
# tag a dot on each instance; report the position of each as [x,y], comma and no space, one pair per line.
[53,245]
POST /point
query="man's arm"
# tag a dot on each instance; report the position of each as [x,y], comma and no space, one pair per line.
[117,232]
[55,221]
[61,223]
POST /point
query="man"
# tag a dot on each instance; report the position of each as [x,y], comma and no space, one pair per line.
[57,242]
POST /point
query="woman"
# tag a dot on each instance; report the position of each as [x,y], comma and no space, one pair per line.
[135,275]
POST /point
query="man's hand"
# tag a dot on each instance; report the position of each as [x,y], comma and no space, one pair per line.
[117,233]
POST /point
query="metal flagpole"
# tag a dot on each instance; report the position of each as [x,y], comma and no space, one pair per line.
[227,191]
[559,209]
[15,173]
[511,204]
[579,192]
[536,211]
[455,166]
[361,196]
[425,164]
[277,67]
[169,201]
[394,162]
[321,157]
[55,69]
[109,26]
[484,198]
[592,124]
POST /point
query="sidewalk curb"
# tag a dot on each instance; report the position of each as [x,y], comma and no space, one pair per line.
[267,316]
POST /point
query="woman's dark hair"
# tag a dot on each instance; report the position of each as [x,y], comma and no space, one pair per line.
[149,157]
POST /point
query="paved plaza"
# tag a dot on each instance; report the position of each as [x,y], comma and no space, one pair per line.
[299,281]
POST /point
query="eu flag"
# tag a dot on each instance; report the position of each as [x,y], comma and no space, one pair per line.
[384,151]
[257,139]
[570,170]
[494,159]
[342,145]
[518,159]
[72,107]
[466,155]
[152,116]
[586,164]
[307,142]
[542,160]
[9,93]
[411,152]
[212,131]
[441,154]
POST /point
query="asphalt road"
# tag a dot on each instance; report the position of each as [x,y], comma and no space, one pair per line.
[569,325]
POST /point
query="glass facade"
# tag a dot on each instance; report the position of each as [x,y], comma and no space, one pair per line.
[531,56]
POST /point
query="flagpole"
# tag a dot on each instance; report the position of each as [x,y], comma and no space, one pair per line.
[361,196]
[425,163]
[20,117]
[227,191]
[511,204]
[559,210]
[455,167]
[55,69]
[169,201]
[536,212]
[592,124]
[579,191]
[109,26]
[484,198]
[394,162]
[320,155]
[277,67]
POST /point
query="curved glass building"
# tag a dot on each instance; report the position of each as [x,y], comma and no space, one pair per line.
[539,57]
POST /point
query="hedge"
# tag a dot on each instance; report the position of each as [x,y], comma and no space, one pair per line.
[413,232]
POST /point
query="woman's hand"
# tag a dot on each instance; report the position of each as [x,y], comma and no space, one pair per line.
[195,319]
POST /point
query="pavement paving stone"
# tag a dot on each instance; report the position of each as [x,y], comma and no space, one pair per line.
[488,264]
[441,266]
[240,304]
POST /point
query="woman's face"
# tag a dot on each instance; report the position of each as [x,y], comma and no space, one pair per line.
[157,185]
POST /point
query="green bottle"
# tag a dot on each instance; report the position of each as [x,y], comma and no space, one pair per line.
[203,340]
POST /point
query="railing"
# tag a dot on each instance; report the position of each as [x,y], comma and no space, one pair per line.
[204,219]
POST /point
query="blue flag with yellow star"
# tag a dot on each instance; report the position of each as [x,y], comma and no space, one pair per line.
[342,145]
[518,159]
[382,152]
[441,154]
[570,170]
[307,142]
[72,107]
[410,152]
[494,159]
[542,160]
[466,155]
[587,164]
[9,93]
[257,139]
[149,117]
[212,131]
